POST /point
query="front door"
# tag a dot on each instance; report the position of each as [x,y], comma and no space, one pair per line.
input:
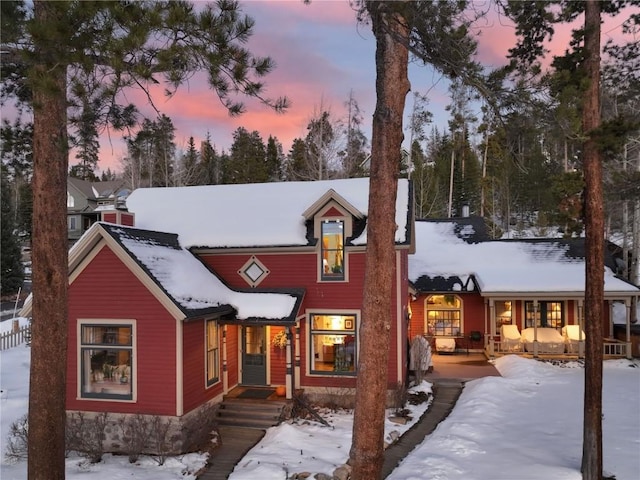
[254,357]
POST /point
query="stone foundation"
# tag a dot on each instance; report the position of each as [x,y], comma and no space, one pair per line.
[141,434]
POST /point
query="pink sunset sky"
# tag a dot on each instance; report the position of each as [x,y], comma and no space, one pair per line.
[321,54]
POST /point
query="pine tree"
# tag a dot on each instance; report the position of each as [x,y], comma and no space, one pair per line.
[11,269]
[274,159]
[121,44]
[247,162]
[297,161]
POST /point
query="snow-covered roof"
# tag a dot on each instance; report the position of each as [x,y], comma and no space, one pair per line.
[251,215]
[502,266]
[190,283]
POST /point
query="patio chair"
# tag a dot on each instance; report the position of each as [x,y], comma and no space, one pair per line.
[445,345]
[573,335]
[549,340]
[510,338]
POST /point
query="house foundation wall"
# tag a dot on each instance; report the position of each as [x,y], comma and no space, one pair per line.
[122,433]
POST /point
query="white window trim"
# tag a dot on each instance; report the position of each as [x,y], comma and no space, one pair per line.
[218,378]
[134,360]
[327,311]
[426,314]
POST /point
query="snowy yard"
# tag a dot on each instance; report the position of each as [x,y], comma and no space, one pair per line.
[526,424]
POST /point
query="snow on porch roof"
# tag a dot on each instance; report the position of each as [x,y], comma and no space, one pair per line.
[250,215]
[502,266]
[191,284]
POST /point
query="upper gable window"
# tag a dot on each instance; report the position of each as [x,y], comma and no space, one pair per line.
[332,250]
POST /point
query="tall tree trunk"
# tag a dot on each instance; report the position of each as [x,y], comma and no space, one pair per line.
[49,254]
[392,86]
[594,228]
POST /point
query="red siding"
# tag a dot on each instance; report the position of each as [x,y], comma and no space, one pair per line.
[195,387]
[127,219]
[232,355]
[110,217]
[278,360]
[107,289]
[473,313]
[300,270]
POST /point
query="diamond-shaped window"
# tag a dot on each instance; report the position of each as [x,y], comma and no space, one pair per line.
[253,271]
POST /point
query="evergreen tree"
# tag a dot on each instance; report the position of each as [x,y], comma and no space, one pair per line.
[534,22]
[11,269]
[151,153]
[355,152]
[58,46]
[274,159]
[210,166]
[247,162]
[296,161]
[322,147]
[438,34]
[17,158]
[86,143]
[188,171]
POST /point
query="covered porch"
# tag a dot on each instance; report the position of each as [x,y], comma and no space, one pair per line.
[551,327]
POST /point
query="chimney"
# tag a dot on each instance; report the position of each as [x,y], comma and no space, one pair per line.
[118,217]
[465,210]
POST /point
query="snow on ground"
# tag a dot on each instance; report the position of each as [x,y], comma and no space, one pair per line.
[524,425]
[527,424]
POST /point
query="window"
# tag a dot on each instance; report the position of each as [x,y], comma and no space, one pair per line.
[106,360]
[73,223]
[549,314]
[213,352]
[504,312]
[71,202]
[333,344]
[332,246]
[253,271]
[444,315]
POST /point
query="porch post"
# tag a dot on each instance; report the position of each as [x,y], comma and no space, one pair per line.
[297,354]
[535,328]
[289,374]
[492,327]
[225,373]
[627,304]
[580,328]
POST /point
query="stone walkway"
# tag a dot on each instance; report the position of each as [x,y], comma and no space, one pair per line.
[449,375]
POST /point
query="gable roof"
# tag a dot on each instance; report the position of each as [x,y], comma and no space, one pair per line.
[255,215]
[96,190]
[532,267]
[180,279]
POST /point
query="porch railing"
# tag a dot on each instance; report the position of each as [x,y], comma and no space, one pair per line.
[611,348]
[615,348]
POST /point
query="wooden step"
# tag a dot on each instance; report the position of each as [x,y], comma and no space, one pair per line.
[261,415]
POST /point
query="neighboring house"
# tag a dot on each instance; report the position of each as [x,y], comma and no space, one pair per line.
[87,203]
[171,315]
[465,287]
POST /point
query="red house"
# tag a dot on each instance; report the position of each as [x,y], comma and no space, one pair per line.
[509,296]
[167,317]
